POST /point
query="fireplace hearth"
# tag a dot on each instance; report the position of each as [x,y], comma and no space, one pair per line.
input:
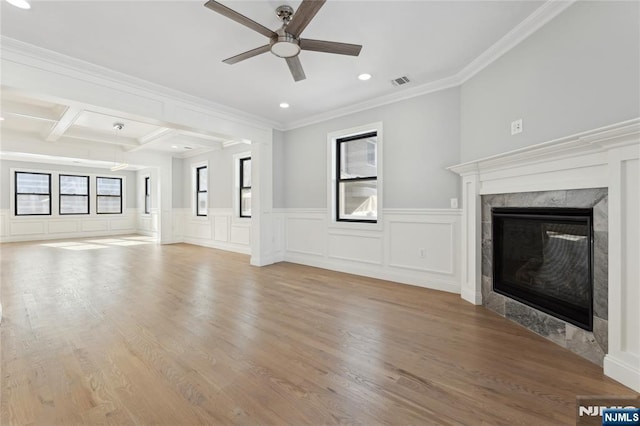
[542,257]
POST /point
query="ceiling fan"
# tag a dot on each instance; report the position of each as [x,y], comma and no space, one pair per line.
[285,42]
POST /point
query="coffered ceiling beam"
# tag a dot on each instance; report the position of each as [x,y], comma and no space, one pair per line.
[32,112]
[156,135]
[69,117]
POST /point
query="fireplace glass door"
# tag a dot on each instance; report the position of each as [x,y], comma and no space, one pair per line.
[543,258]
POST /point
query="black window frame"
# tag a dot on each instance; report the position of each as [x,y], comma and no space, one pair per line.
[147,195]
[61,194]
[16,194]
[242,160]
[98,196]
[199,191]
[340,180]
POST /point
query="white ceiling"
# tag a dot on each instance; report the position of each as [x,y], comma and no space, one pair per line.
[180,45]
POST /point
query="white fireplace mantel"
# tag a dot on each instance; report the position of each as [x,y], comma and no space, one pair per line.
[607,157]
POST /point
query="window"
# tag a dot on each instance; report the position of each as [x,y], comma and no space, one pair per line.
[357,178]
[74,194]
[201,190]
[33,194]
[245,187]
[147,195]
[109,195]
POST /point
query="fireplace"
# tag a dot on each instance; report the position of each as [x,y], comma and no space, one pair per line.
[543,257]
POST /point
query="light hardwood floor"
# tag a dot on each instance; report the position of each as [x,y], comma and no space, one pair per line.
[181,335]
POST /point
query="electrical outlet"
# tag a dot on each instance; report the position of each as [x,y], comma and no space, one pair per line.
[516,126]
[454,203]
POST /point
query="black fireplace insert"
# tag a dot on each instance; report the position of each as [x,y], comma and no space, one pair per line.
[543,257]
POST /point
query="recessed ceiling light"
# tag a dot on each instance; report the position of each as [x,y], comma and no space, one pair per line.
[174,146]
[284,105]
[364,77]
[22,4]
[1,118]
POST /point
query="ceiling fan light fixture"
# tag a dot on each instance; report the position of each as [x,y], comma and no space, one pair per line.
[22,4]
[285,46]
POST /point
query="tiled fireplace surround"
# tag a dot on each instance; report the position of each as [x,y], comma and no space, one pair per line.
[590,345]
[600,169]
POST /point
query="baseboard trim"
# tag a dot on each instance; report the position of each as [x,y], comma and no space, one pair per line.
[66,236]
[473,297]
[628,375]
[220,246]
[381,273]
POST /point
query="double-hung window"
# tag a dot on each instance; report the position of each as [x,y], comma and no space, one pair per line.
[33,194]
[108,195]
[147,195]
[201,190]
[245,187]
[357,178]
[74,194]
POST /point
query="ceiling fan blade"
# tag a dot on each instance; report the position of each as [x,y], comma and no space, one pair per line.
[241,19]
[248,54]
[296,68]
[330,47]
[305,13]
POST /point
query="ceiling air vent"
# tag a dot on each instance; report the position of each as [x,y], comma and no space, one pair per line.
[400,81]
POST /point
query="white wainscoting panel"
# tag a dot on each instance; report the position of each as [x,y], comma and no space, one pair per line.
[148,223]
[63,226]
[356,248]
[27,227]
[219,230]
[631,256]
[305,233]
[241,234]
[423,246]
[390,252]
[3,223]
[94,225]
[34,228]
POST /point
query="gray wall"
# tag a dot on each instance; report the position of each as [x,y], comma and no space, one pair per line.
[6,190]
[177,184]
[278,147]
[579,72]
[421,138]
[221,176]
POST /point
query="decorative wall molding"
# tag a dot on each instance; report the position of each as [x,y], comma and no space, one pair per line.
[607,157]
[34,228]
[406,248]
[217,230]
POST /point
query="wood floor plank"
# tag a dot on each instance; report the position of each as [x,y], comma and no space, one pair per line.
[181,334]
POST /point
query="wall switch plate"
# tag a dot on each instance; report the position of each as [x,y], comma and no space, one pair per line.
[422,252]
[454,203]
[516,126]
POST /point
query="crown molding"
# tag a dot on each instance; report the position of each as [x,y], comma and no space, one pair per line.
[391,98]
[532,23]
[540,17]
[20,52]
